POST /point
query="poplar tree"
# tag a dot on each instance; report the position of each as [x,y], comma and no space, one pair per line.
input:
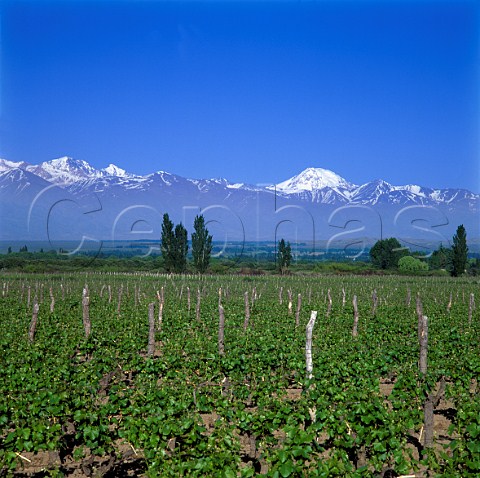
[201,245]
[459,252]
[180,248]
[284,256]
[168,244]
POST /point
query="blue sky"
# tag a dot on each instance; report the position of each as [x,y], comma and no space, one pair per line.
[253,91]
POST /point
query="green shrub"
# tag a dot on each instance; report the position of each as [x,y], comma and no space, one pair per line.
[411,264]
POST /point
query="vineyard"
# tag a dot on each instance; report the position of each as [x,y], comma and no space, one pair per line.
[155,375]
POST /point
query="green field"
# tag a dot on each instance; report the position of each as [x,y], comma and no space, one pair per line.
[105,406]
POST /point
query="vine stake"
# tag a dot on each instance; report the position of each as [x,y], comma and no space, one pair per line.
[308,344]
[86,311]
[151,329]
[33,323]
[355,316]
[221,331]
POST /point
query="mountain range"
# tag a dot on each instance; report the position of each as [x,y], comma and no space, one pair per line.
[68,199]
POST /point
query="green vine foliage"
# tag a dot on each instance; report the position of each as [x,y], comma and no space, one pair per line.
[189,411]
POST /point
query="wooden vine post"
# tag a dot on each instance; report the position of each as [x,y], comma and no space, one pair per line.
[433,398]
[161,302]
[290,302]
[188,300]
[151,329]
[471,308]
[432,401]
[52,301]
[374,302]
[419,308]
[355,317]
[329,297]
[253,297]
[299,307]
[247,312]
[119,305]
[308,344]
[197,310]
[86,311]
[221,330]
[423,339]
[449,306]
[33,323]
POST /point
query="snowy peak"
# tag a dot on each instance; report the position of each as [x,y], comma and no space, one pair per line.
[324,186]
[64,170]
[313,179]
[163,176]
[376,187]
[113,170]
[314,185]
[6,165]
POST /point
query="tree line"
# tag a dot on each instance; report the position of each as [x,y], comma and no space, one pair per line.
[386,254]
[389,254]
[174,247]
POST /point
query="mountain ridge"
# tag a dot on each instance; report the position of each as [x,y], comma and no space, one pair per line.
[308,184]
[69,198]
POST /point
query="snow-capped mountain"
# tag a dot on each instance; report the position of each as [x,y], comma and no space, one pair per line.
[63,170]
[312,179]
[324,186]
[66,170]
[112,197]
[313,184]
[6,165]
[113,170]
[316,185]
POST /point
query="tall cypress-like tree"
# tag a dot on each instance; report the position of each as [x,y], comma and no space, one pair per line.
[459,252]
[284,256]
[181,248]
[168,244]
[201,245]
